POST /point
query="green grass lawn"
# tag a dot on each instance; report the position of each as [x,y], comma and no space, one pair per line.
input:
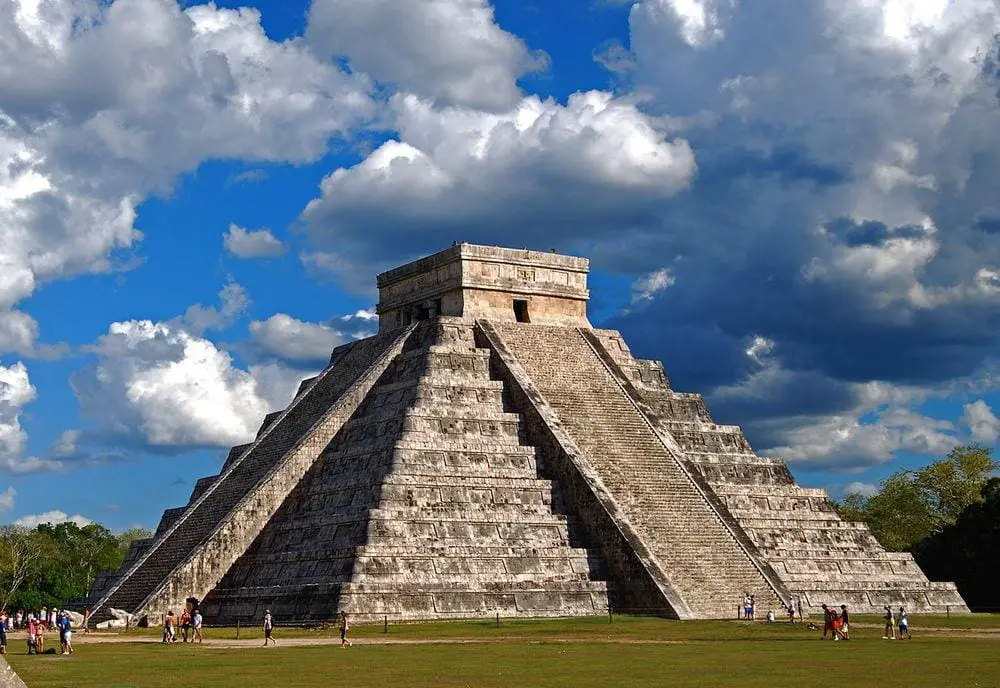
[536,653]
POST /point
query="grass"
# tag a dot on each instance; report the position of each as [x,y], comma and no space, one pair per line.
[567,652]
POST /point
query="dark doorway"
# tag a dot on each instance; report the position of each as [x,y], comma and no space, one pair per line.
[521,311]
[423,313]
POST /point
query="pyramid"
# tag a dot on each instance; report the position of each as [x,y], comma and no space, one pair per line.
[488,451]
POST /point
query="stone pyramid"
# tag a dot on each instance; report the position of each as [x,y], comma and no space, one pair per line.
[490,452]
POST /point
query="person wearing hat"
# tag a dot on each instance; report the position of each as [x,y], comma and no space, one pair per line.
[268,627]
[65,634]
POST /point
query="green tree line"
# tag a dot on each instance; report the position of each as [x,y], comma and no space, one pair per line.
[946,514]
[54,563]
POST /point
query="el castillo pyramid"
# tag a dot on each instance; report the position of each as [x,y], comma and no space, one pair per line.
[489,451]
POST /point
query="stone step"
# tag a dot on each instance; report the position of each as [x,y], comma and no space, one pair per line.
[661,501]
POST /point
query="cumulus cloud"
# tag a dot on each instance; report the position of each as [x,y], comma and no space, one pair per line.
[16,391]
[571,171]
[84,137]
[982,422]
[450,51]
[54,517]
[289,338]
[168,388]
[244,243]
[842,211]
[7,500]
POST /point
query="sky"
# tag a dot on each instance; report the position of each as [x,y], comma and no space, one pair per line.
[794,205]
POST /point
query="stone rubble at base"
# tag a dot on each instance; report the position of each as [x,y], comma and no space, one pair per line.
[489,452]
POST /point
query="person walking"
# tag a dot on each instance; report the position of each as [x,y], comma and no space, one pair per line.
[904,625]
[196,624]
[845,628]
[890,625]
[344,626]
[827,626]
[268,628]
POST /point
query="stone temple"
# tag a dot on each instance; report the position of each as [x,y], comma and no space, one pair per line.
[489,451]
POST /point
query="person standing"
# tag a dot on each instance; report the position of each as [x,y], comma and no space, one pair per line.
[196,624]
[827,626]
[3,638]
[845,629]
[32,635]
[890,625]
[185,624]
[66,634]
[268,628]
[344,626]
[904,625]
[168,628]
[86,620]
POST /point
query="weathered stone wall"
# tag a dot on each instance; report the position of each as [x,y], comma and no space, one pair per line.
[483,282]
[8,678]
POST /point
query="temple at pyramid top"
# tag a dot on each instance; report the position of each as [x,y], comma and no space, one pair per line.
[489,282]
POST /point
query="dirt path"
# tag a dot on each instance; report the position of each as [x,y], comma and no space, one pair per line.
[232,643]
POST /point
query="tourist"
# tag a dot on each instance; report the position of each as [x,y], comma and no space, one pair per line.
[746,605]
[86,620]
[196,624]
[791,612]
[890,625]
[168,628]
[827,626]
[3,638]
[904,625]
[344,625]
[845,629]
[185,624]
[66,634]
[32,635]
[771,618]
[753,609]
[268,628]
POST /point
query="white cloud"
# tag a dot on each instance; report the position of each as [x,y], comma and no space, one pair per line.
[245,243]
[569,171]
[982,422]
[451,51]
[168,387]
[16,391]
[54,517]
[646,287]
[861,488]
[364,314]
[102,103]
[66,444]
[7,500]
[292,339]
[199,318]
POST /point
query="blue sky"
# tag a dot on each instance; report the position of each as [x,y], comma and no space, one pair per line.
[794,207]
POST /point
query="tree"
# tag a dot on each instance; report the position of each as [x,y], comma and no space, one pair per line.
[20,553]
[912,505]
[968,551]
[126,538]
